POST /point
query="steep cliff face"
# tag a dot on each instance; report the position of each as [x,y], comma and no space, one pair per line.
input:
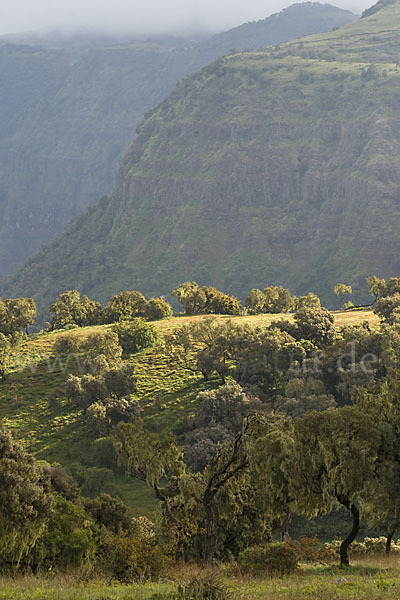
[69,108]
[266,167]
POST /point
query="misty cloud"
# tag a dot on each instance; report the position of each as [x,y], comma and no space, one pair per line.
[145,16]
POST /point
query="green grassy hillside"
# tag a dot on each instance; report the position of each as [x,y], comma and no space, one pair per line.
[55,432]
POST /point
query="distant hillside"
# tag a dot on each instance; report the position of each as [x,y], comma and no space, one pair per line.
[266,167]
[69,107]
[291,23]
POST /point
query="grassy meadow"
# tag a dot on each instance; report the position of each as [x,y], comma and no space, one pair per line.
[375,578]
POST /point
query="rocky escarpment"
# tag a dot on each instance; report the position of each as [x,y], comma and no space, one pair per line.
[69,108]
[266,167]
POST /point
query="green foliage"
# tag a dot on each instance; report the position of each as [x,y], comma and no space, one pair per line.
[388,308]
[108,511]
[136,335]
[218,303]
[273,559]
[368,547]
[16,315]
[67,540]
[96,481]
[106,396]
[274,299]
[25,500]
[303,395]
[125,306]
[192,297]
[309,301]
[206,347]
[206,300]
[218,419]
[68,343]
[315,325]
[157,309]
[381,288]
[342,291]
[6,357]
[72,309]
[134,555]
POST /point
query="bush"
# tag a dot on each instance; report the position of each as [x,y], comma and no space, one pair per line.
[96,481]
[102,343]
[311,550]
[157,309]
[369,546]
[109,512]
[278,558]
[68,343]
[67,540]
[133,557]
[136,335]
[206,586]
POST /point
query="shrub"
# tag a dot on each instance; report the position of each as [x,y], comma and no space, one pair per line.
[133,557]
[157,309]
[368,546]
[67,540]
[278,558]
[136,335]
[108,511]
[206,586]
[102,343]
[97,481]
[311,550]
[68,343]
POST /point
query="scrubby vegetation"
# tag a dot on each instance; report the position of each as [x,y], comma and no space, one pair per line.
[284,416]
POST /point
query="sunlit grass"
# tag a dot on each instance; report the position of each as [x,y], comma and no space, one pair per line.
[375,578]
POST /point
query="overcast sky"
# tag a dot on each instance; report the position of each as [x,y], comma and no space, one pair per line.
[144,16]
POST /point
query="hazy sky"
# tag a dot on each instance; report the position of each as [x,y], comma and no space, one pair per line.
[143,16]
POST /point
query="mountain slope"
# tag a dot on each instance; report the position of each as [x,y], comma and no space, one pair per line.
[266,167]
[69,107]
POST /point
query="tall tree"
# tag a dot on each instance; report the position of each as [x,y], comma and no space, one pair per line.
[25,499]
[336,454]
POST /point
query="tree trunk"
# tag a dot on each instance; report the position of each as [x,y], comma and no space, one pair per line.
[210,537]
[285,525]
[344,548]
[389,542]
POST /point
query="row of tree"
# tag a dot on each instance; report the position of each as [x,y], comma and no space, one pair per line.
[72,309]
